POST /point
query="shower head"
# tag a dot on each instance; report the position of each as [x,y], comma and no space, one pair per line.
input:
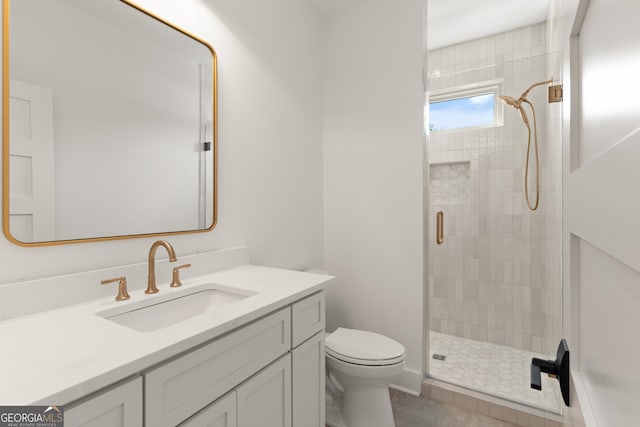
[509,101]
[516,103]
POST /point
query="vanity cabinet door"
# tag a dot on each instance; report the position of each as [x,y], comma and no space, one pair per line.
[221,413]
[264,400]
[118,406]
[307,363]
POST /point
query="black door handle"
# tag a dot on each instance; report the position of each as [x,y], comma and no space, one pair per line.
[558,369]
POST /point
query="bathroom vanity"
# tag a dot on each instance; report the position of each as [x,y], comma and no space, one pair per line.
[243,346]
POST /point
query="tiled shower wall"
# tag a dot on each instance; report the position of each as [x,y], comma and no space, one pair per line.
[496,277]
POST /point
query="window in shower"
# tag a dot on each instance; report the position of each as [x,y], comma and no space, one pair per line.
[466,107]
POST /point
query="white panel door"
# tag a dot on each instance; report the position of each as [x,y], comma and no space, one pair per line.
[601,212]
[264,400]
[221,413]
[308,372]
[31,206]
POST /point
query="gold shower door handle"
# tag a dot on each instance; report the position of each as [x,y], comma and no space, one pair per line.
[439,227]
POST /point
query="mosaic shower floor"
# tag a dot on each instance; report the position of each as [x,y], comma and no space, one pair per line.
[493,369]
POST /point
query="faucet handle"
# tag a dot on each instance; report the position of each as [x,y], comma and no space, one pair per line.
[176,283]
[122,287]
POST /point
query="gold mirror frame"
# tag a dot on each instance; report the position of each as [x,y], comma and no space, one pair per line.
[6,147]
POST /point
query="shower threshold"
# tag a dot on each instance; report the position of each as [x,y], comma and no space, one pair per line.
[491,369]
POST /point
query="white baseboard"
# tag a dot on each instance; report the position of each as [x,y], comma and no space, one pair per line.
[408,381]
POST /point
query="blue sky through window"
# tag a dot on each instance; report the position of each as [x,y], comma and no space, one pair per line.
[461,113]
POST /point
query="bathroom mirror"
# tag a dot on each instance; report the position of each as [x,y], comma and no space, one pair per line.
[109,123]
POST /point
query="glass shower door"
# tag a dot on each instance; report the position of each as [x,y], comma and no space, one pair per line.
[495,280]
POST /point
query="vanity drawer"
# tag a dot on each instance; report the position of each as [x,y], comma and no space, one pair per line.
[180,388]
[307,318]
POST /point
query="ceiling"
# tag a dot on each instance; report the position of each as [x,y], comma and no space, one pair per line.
[455,21]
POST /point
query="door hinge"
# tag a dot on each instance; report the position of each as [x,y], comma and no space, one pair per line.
[555,93]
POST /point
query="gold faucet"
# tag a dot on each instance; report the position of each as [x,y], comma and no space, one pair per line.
[151,283]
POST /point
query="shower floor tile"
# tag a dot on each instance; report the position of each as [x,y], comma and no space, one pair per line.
[493,369]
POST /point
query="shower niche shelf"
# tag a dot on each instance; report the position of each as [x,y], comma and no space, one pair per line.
[450,182]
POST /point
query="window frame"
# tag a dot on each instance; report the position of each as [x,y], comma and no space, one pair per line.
[490,87]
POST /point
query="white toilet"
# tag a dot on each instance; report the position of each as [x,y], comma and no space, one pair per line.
[360,367]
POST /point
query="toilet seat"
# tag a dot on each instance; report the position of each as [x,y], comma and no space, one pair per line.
[363,348]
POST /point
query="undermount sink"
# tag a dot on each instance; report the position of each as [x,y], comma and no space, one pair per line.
[168,310]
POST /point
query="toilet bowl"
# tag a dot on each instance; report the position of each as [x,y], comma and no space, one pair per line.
[360,365]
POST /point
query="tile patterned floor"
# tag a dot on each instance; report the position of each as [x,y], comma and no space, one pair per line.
[493,369]
[411,411]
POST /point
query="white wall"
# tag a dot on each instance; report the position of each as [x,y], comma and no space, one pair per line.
[373,164]
[270,143]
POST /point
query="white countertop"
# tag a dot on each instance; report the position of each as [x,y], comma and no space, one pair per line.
[58,356]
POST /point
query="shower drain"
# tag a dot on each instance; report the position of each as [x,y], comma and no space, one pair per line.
[439,356]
